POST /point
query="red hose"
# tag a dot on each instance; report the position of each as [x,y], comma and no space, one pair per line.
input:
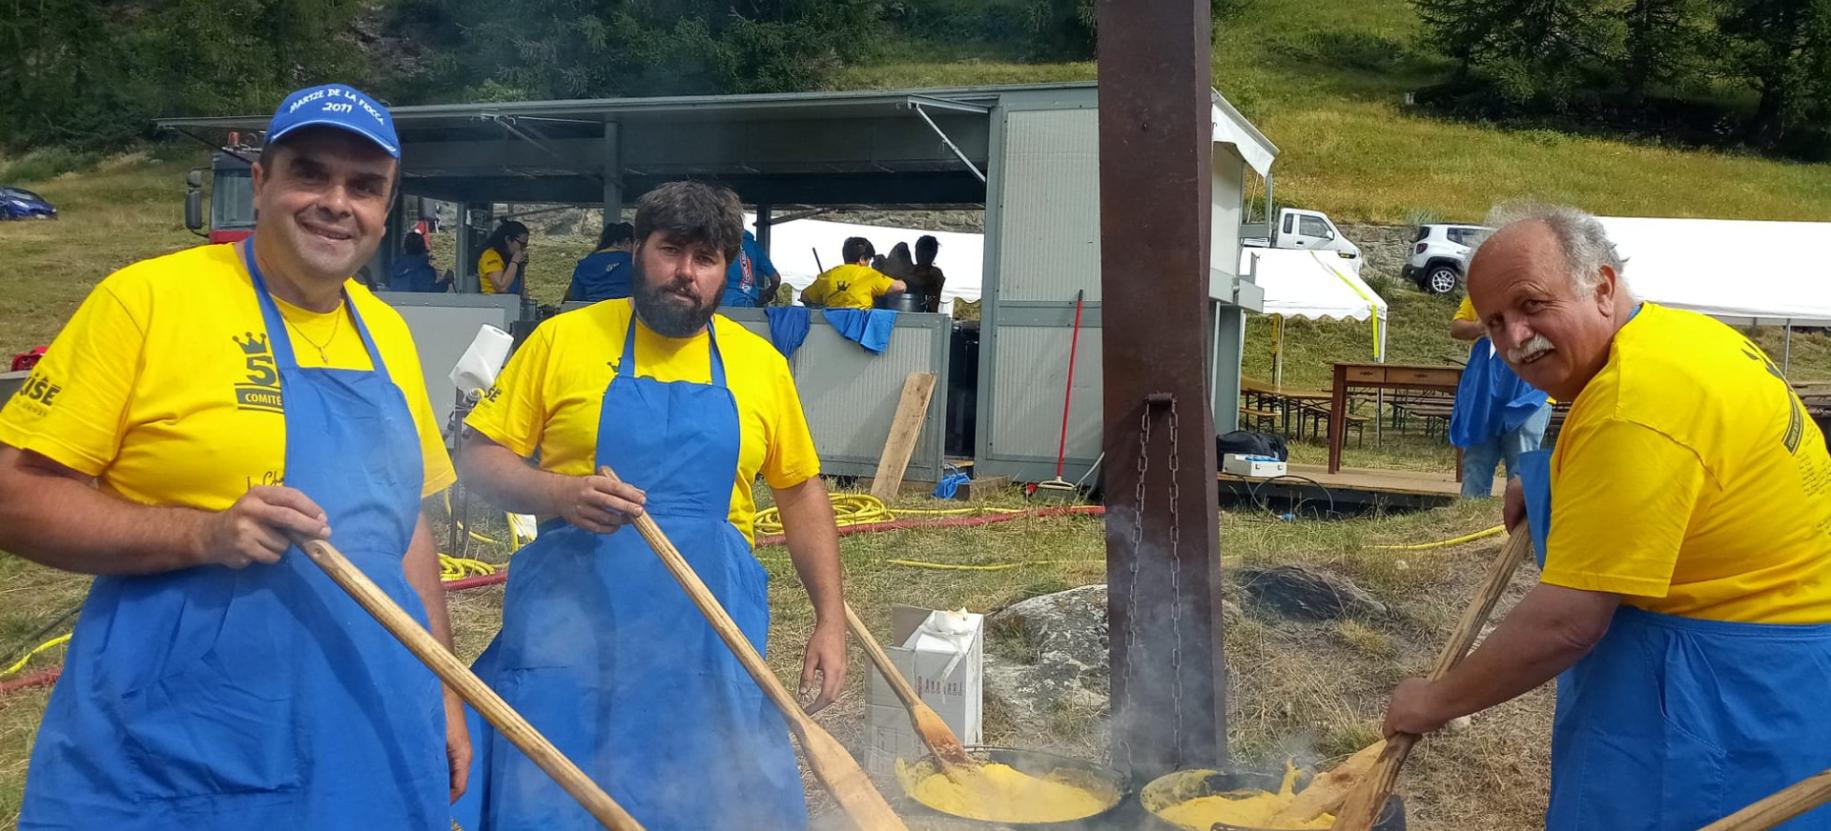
[49,676]
[42,679]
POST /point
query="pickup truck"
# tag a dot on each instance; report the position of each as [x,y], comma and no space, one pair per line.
[1298,228]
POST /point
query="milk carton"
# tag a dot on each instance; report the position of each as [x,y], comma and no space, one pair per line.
[942,654]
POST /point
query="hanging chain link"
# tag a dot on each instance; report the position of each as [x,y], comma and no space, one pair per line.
[1176,589]
[1132,641]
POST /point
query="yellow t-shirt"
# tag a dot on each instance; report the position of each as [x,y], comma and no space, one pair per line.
[848,286]
[488,263]
[162,386]
[1688,478]
[548,397]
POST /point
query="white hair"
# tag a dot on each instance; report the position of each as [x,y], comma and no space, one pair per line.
[1585,243]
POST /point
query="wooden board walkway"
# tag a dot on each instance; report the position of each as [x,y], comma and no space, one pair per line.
[1428,485]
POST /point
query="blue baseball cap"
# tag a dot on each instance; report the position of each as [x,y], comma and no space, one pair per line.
[336,105]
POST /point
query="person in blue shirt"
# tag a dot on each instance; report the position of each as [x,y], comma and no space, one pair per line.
[604,274]
[413,269]
[751,280]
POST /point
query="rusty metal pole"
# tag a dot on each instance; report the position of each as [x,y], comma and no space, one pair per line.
[1163,552]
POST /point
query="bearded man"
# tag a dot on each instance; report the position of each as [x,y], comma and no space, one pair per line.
[600,648]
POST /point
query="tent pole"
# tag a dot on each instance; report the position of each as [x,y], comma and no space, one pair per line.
[1786,351]
[1278,352]
[1379,395]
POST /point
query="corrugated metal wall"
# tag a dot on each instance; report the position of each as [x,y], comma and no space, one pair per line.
[850,394]
[1032,368]
[1049,203]
[1043,245]
[443,327]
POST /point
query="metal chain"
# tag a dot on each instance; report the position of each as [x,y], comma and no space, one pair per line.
[1176,590]
[1132,641]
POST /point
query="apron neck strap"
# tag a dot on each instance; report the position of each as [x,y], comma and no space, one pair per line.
[626,367]
[281,341]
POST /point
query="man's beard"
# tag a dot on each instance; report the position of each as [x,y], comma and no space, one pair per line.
[662,310]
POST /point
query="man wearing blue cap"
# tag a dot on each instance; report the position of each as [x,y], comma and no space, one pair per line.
[199,411]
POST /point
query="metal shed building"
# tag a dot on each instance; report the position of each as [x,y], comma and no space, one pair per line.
[1027,154]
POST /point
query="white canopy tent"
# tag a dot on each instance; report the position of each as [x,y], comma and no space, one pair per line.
[799,248]
[1314,285]
[1768,273]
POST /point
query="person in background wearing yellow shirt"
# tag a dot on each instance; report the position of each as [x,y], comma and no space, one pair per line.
[853,284]
[504,259]
[199,410]
[600,648]
[1497,417]
[1684,601]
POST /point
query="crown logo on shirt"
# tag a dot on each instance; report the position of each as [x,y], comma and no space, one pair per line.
[253,344]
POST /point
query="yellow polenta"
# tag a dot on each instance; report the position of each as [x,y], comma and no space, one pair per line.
[1001,793]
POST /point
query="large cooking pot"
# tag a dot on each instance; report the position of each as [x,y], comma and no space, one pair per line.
[1184,785]
[1081,772]
[903,301]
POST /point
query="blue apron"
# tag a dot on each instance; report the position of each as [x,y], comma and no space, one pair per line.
[264,697]
[1671,722]
[1491,399]
[602,651]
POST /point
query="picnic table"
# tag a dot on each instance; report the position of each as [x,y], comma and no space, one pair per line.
[1369,376]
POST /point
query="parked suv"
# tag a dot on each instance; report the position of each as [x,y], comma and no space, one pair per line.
[1440,256]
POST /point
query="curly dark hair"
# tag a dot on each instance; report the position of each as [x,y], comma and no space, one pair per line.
[693,212]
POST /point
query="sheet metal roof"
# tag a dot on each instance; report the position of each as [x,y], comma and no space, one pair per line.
[813,148]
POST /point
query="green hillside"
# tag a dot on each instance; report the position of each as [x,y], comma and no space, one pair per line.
[1327,85]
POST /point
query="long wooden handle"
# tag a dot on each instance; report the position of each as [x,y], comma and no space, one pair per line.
[1779,806]
[832,765]
[468,686]
[1364,805]
[898,683]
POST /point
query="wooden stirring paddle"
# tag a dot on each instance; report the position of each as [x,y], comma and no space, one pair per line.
[831,764]
[1364,805]
[949,753]
[467,685]
[1779,806]
[1329,789]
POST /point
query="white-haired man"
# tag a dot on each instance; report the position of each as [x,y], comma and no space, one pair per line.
[1685,594]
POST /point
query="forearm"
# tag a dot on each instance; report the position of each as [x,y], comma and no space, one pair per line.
[1540,638]
[421,565]
[505,479]
[60,521]
[813,546]
[1466,330]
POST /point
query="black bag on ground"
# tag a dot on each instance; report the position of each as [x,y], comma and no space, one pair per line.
[1250,443]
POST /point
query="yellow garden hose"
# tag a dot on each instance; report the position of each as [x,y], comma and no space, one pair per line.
[20,664]
[861,508]
[1498,529]
[458,568]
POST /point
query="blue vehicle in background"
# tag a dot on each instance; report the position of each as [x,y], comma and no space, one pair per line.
[18,203]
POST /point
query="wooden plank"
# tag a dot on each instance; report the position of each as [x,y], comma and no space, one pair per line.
[1412,482]
[905,428]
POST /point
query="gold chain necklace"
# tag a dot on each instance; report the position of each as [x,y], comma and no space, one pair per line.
[336,323]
